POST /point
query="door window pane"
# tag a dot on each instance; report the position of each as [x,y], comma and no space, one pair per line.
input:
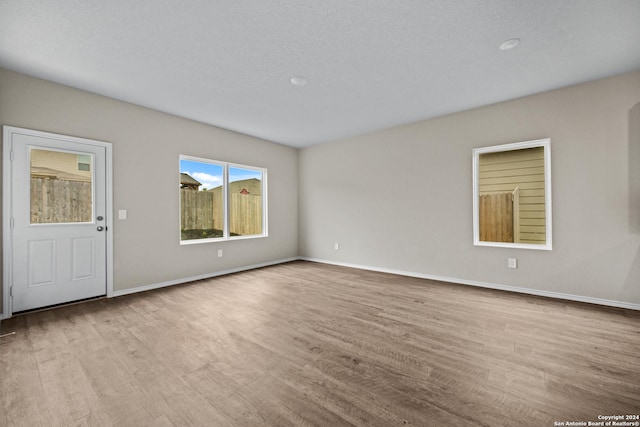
[60,192]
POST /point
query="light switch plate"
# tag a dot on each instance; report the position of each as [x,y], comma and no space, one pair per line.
[122,214]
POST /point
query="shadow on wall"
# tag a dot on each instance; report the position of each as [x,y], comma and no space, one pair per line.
[630,290]
[631,284]
[634,169]
[1,219]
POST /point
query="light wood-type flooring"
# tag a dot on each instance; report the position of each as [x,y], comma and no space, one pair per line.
[307,344]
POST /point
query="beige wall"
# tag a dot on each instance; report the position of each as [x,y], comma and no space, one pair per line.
[146,146]
[401,198]
[398,199]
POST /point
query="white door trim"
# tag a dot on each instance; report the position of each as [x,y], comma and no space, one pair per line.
[7,208]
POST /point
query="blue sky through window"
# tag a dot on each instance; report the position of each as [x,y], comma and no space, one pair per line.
[210,175]
[239,174]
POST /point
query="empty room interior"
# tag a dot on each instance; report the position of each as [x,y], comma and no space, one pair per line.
[320,213]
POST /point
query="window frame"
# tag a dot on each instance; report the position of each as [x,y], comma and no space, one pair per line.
[546,145]
[226,235]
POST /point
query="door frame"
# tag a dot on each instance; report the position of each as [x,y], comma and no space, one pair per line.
[7,207]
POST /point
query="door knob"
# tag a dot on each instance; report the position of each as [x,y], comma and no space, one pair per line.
[100,228]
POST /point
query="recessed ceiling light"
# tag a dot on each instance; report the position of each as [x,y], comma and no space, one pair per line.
[298,80]
[509,44]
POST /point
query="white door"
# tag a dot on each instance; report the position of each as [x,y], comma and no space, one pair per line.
[58,219]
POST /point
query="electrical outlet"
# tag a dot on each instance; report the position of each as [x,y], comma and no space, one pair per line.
[512,262]
[219,253]
[336,246]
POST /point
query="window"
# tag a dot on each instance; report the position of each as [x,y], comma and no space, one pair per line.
[84,162]
[512,195]
[221,201]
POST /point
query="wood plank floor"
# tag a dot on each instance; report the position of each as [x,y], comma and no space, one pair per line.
[305,344]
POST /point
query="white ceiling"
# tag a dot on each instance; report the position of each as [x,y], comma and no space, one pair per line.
[370,64]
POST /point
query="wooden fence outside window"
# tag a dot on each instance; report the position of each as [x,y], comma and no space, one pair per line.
[203,210]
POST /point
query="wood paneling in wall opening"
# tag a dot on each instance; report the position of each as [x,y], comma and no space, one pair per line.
[496,217]
[504,171]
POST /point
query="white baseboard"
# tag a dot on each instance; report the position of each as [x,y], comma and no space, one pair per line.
[549,294]
[200,277]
